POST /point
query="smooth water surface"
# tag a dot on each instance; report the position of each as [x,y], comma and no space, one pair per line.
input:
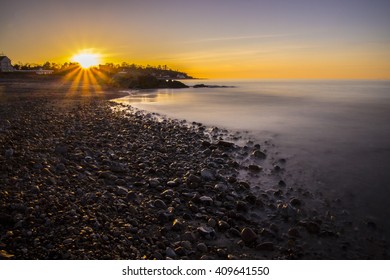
[335,134]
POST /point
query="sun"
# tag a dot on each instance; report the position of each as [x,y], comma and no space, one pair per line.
[87,59]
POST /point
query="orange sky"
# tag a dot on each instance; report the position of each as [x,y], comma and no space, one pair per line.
[213,39]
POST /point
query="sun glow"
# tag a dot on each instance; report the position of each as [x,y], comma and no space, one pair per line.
[87,59]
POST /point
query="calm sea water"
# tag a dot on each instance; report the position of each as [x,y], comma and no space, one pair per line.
[335,134]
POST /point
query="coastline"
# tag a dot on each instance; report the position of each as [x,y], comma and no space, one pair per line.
[81,180]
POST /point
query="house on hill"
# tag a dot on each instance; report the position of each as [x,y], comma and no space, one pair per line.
[5,64]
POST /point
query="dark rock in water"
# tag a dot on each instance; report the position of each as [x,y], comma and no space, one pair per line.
[248,235]
[241,206]
[258,154]
[277,168]
[210,86]
[278,193]
[282,183]
[245,185]
[148,82]
[295,202]
[158,203]
[207,232]
[225,144]
[255,168]
[266,246]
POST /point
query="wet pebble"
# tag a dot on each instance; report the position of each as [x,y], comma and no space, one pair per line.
[248,235]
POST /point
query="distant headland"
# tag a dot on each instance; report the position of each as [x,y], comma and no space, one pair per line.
[123,75]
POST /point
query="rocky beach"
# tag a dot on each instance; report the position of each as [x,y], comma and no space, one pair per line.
[83,177]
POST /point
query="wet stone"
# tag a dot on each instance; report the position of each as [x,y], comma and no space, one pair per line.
[222,225]
[255,168]
[154,183]
[248,235]
[265,246]
[207,174]
[295,202]
[181,251]
[206,232]
[312,227]
[206,200]
[170,253]
[201,247]
[178,225]
[241,206]
[294,232]
[258,154]
[158,203]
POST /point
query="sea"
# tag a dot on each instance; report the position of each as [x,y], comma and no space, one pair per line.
[335,134]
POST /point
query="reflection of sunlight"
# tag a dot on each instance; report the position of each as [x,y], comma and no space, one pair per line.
[85,81]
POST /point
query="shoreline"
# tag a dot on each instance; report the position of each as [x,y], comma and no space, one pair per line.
[83,181]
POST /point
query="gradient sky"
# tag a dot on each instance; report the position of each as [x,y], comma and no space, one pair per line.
[208,38]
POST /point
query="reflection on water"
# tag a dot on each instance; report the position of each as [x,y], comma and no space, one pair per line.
[339,130]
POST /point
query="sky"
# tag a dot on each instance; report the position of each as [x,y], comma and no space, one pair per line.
[208,38]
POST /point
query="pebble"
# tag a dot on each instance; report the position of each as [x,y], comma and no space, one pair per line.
[265,246]
[255,168]
[154,183]
[170,253]
[295,202]
[103,189]
[248,235]
[201,247]
[258,154]
[294,232]
[311,227]
[207,174]
[206,200]
[158,203]
[178,225]
[9,153]
[222,225]
[207,232]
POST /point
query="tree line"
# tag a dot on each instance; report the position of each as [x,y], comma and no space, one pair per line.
[159,71]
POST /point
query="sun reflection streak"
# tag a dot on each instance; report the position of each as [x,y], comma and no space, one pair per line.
[85,82]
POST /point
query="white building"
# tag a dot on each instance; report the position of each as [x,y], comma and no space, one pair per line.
[5,64]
